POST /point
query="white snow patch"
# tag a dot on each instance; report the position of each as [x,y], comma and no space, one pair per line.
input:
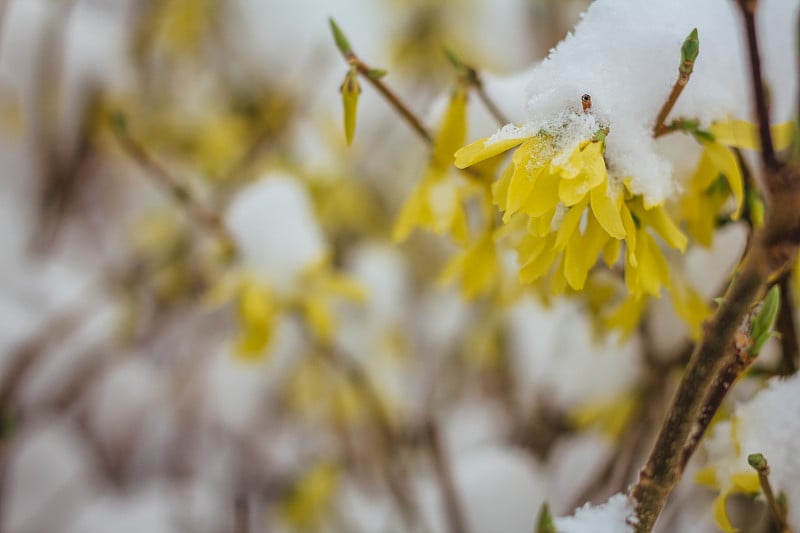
[609,517]
[625,54]
[274,226]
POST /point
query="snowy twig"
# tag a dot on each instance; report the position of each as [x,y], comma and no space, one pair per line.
[689,52]
[760,465]
[373,76]
[748,7]
[772,250]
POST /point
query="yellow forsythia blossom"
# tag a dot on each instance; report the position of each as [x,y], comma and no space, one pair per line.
[575,214]
[436,204]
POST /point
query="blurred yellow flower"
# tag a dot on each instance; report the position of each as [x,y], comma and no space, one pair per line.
[436,204]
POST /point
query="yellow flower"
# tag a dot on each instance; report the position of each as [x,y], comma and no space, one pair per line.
[730,474]
[436,204]
[575,213]
[257,310]
[311,498]
[259,307]
[707,193]
[476,268]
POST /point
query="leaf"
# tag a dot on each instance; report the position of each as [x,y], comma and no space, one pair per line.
[338,36]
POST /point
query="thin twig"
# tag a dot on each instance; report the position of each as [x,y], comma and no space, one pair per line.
[759,463]
[373,76]
[787,328]
[689,51]
[748,7]
[170,185]
[444,477]
[491,106]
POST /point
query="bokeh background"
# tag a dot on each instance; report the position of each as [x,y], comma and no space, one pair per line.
[204,322]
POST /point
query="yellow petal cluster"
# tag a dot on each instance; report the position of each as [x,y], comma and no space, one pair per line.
[575,214]
[718,166]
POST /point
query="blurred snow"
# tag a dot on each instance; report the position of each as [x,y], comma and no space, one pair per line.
[556,358]
[274,227]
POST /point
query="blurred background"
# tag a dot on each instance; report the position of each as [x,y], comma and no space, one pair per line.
[204,322]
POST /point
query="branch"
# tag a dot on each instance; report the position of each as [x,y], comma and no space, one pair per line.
[444,476]
[472,77]
[167,183]
[787,329]
[689,52]
[748,7]
[373,76]
[759,463]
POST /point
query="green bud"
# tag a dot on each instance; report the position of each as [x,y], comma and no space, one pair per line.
[350,90]
[341,41]
[545,522]
[689,52]
[761,329]
[757,461]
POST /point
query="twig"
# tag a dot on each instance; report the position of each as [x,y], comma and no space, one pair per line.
[689,52]
[444,476]
[167,183]
[738,359]
[241,514]
[760,465]
[748,7]
[472,78]
[787,328]
[373,76]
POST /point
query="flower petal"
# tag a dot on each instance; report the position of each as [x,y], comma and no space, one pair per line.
[482,149]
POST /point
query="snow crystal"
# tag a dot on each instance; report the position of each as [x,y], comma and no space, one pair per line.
[609,517]
[274,227]
[625,54]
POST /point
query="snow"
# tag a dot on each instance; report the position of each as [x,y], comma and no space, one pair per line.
[554,355]
[625,54]
[274,226]
[768,424]
[499,489]
[609,517]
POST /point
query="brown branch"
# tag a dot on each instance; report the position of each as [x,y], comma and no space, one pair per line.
[689,52]
[491,106]
[786,327]
[660,128]
[738,358]
[748,7]
[444,477]
[170,185]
